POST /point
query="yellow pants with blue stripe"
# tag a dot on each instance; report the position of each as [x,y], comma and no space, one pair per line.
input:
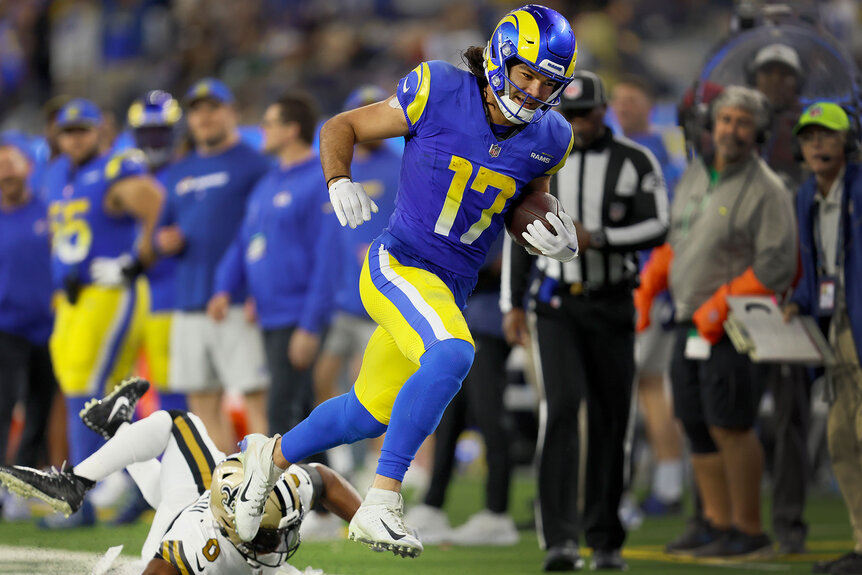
[95,342]
[414,309]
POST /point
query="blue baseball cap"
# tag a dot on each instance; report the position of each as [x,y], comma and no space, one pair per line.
[364,95]
[209,88]
[79,112]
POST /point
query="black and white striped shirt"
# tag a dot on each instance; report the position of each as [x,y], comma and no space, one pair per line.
[614,187]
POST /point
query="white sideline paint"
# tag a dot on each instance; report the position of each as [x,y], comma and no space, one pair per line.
[49,561]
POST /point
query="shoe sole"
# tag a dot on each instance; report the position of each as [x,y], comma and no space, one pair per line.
[382,547]
[85,412]
[26,490]
[246,467]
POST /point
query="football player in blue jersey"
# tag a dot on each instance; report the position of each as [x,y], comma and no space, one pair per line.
[101,229]
[154,121]
[475,141]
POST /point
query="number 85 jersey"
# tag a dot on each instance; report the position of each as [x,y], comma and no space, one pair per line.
[457,179]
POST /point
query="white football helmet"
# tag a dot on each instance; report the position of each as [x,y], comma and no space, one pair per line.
[278,536]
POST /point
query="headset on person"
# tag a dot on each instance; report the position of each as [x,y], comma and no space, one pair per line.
[763,132]
[851,139]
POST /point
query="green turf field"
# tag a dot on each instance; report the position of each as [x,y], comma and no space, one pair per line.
[830,534]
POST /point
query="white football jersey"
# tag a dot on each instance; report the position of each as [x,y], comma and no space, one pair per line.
[195,545]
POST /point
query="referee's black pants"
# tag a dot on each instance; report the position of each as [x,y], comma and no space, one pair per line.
[585,350]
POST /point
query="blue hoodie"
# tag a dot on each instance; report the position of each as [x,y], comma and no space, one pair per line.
[286,253]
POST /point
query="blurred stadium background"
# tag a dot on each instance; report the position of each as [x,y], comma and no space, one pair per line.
[112,51]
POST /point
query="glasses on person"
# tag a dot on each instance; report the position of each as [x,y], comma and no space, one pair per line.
[811,136]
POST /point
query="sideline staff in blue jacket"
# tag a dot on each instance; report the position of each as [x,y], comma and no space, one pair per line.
[25,305]
[206,195]
[287,255]
[830,241]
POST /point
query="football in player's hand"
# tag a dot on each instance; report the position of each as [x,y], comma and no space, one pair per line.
[526,210]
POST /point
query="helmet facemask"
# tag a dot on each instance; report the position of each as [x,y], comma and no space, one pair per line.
[539,38]
[156,142]
[512,110]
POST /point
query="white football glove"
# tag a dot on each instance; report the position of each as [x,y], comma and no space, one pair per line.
[562,246]
[351,204]
[114,272]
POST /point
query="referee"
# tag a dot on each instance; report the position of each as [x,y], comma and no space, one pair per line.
[582,326]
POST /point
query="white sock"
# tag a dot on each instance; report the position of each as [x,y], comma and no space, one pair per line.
[377,496]
[133,443]
[667,481]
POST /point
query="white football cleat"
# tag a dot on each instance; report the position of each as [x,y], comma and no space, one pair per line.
[486,528]
[260,475]
[432,523]
[379,524]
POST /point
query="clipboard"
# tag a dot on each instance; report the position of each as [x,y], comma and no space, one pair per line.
[756,326]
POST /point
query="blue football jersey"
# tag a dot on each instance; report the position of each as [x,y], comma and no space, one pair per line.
[457,179]
[80,228]
[160,276]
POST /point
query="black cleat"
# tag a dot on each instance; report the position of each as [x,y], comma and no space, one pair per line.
[698,532]
[735,543]
[847,563]
[564,557]
[608,560]
[62,490]
[104,416]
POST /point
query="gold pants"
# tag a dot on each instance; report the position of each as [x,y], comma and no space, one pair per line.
[844,426]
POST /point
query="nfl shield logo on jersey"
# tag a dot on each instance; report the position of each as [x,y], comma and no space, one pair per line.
[494,150]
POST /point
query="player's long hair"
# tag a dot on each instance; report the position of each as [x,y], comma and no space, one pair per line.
[475,62]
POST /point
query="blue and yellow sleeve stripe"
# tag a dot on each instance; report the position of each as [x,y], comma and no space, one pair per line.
[125,164]
[413,92]
[562,162]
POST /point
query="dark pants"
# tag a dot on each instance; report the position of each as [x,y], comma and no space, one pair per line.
[291,394]
[26,373]
[586,350]
[479,402]
[791,468]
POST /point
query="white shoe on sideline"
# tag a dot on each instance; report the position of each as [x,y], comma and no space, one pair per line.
[379,524]
[486,528]
[260,475]
[432,523]
[318,526]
